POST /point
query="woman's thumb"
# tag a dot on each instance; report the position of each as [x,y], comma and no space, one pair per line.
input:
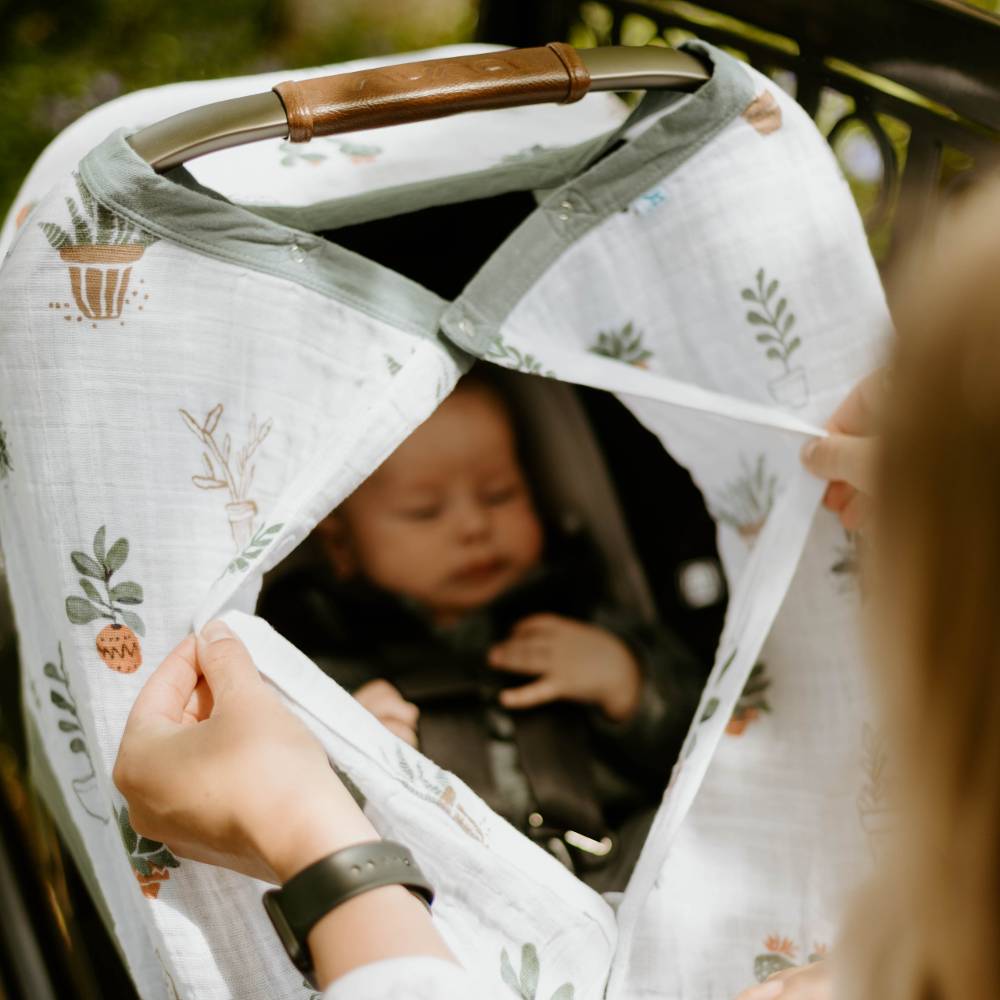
[224,660]
[842,458]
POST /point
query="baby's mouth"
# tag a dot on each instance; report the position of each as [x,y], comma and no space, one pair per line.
[479,571]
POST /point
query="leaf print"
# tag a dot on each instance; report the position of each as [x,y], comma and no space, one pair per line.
[84,564]
[80,611]
[5,467]
[258,543]
[116,556]
[509,356]
[126,593]
[622,345]
[710,709]
[85,786]
[525,983]
[791,386]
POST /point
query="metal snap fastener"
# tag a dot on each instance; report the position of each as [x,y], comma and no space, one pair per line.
[296,253]
[535,820]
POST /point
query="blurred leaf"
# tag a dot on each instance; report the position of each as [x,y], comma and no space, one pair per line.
[133,621]
[80,611]
[85,565]
[127,593]
[117,555]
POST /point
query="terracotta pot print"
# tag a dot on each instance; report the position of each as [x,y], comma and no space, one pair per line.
[763,113]
[241,514]
[748,532]
[790,389]
[89,796]
[99,289]
[737,725]
[151,883]
[119,647]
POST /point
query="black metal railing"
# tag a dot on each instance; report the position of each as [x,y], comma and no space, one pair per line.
[906,91]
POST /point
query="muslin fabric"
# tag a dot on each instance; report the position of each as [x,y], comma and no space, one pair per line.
[192,379]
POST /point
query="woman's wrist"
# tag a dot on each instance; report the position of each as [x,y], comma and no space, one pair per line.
[322,821]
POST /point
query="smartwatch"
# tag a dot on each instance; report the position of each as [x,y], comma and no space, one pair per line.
[309,896]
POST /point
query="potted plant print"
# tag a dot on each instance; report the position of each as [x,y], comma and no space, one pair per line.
[780,956]
[61,695]
[117,643]
[623,345]
[100,248]
[774,322]
[225,471]
[751,702]
[151,861]
[745,502]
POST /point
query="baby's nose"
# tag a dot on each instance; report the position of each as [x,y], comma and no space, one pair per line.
[473,520]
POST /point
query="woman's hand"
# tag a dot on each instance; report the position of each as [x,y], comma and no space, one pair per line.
[847,456]
[569,660]
[214,765]
[811,982]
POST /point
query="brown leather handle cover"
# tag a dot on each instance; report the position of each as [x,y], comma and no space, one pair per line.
[409,92]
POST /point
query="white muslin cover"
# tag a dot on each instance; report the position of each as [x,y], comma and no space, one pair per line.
[191,379]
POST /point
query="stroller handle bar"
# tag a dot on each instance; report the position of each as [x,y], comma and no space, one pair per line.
[407,92]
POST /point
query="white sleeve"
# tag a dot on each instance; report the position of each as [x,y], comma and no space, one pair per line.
[416,978]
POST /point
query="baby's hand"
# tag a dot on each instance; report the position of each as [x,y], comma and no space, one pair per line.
[571,660]
[390,708]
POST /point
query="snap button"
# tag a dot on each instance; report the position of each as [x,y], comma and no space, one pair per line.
[535,820]
[296,253]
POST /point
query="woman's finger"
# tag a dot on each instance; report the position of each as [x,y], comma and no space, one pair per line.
[225,661]
[199,706]
[837,495]
[841,457]
[855,512]
[764,991]
[858,414]
[170,686]
[539,692]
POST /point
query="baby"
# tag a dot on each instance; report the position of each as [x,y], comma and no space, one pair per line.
[475,634]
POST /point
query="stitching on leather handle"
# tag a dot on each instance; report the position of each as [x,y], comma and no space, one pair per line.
[578,82]
[297,111]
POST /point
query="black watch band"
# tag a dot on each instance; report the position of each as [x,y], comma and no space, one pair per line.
[315,891]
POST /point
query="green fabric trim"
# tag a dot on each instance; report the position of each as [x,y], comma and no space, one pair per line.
[45,782]
[210,225]
[609,186]
[548,168]
[177,208]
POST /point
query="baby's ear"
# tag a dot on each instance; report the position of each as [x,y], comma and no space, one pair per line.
[335,538]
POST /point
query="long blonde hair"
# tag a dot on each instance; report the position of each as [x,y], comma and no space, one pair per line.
[932,929]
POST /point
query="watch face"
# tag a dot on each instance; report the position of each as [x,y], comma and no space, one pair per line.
[296,949]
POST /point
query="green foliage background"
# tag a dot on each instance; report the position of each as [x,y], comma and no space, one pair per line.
[59,58]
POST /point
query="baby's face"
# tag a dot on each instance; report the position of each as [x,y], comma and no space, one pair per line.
[448,520]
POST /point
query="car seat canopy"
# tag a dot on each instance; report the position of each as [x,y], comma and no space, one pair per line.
[193,378]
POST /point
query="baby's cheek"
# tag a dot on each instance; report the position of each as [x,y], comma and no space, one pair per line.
[524,539]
